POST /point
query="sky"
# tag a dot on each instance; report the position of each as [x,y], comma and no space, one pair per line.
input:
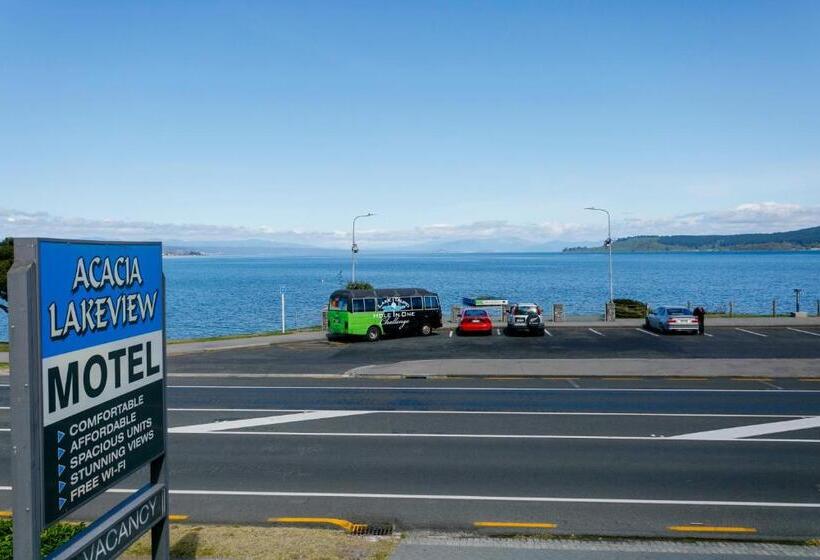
[283,120]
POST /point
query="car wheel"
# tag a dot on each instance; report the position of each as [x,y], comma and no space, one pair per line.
[373,334]
[646,325]
[426,330]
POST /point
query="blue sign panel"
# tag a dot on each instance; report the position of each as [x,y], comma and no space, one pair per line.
[102,352]
[93,293]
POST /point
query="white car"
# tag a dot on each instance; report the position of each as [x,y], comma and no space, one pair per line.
[672,319]
[525,317]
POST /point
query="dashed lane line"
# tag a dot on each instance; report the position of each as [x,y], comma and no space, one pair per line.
[644,331]
[710,529]
[596,332]
[546,332]
[802,331]
[513,525]
[750,332]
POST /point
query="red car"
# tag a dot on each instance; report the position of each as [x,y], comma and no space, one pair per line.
[475,321]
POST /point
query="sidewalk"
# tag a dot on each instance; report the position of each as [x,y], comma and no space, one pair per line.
[594,367]
[175,349]
[444,547]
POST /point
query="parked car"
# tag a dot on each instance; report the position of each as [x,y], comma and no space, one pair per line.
[672,319]
[525,317]
[475,321]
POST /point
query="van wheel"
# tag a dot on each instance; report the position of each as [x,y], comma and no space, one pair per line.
[426,330]
[373,334]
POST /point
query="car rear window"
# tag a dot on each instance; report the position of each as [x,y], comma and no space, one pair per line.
[524,309]
[475,313]
[678,311]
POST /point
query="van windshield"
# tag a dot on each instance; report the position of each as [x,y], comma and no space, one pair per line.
[339,303]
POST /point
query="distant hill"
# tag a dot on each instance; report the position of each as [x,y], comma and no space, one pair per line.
[798,240]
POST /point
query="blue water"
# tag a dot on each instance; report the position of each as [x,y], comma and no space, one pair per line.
[215,295]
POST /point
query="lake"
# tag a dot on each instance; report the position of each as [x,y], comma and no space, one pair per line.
[230,295]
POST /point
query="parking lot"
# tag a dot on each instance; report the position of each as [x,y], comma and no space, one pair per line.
[335,357]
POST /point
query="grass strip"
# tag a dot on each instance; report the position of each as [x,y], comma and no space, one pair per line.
[239,336]
[240,542]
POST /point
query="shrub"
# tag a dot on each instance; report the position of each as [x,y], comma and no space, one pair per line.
[50,540]
[359,286]
[629,309]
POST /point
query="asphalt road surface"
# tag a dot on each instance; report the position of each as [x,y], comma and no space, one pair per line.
[326,357]
[598,457]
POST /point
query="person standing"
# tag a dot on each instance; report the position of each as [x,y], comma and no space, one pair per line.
[700,313]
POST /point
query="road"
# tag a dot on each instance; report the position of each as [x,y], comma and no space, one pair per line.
[326,357]
[589,456]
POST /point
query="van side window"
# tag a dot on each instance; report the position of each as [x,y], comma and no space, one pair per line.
[370,304]
[431,302]
[358,305]
[416,303]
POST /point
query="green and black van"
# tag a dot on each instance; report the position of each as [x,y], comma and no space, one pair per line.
[376,313]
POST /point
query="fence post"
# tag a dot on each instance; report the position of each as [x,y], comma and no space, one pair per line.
[731,309]
[774,308]
[818,307]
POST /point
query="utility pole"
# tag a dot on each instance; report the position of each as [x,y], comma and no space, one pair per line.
[355,248]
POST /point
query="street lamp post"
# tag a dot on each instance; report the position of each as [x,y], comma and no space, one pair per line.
[608,243]
[355,248]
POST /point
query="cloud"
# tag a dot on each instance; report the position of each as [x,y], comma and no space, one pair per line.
[746,218]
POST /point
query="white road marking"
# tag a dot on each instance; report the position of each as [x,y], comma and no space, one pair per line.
[472,498]
[491,436]
[498,332]
[507,412]
[707,334]
[457,497]
[596,332]
[804,332]
[546,332]
[499,389]
[451,333]
[754,430]
[264,421]
[750,332]
[644,331]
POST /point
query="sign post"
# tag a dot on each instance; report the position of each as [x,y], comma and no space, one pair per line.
[87,324]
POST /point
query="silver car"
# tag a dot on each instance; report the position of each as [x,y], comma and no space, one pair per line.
[672,319]
[523,317]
